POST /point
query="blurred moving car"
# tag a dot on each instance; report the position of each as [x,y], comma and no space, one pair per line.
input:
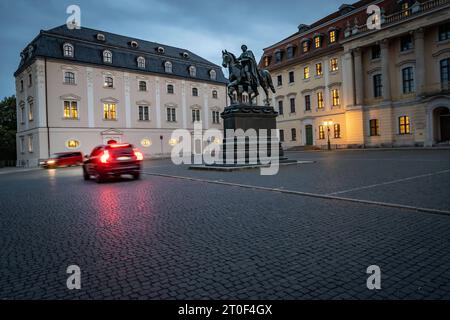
[113,160]
[63,159]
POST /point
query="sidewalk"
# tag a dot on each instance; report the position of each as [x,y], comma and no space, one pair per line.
[7,170]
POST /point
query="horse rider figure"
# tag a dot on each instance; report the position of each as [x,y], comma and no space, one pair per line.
[250,67]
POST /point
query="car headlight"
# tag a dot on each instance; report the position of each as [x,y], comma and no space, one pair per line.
[51,162]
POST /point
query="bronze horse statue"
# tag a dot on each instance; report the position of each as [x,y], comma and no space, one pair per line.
[238,78]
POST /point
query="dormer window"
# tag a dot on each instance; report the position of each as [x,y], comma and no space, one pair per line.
[332,36]
[141,62]
[290,50]
[278,56]
[30,51]
[160,50]
[345,8]
[101,37]
[305,45]
[185,55]
[317,41]
[134,44]
[212,74]
[266,61]
[107,56]
[68,50]
[168,67]
[192,71]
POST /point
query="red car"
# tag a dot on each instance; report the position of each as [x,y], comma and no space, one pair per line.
[113,160]
[63,159]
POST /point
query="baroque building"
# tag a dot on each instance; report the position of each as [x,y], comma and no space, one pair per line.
[365,86]
[80,88]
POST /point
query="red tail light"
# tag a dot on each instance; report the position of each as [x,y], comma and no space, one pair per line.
[139,155]
[104,157]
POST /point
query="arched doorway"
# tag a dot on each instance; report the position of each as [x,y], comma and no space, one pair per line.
[441,124]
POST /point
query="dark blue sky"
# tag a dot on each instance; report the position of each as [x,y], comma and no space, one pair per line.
[202,26]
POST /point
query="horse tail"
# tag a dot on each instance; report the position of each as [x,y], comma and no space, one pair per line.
[269,81]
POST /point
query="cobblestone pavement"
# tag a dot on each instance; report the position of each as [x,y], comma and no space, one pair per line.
[167,238]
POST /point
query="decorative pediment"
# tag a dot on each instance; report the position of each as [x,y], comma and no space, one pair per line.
[70,97]
[171,105]
[111,132]
[143,103]
[374,70]
[196,106]
[109,100]
[215,108]
[30,99]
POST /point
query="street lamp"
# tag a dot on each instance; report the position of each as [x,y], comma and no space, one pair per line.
[328,124]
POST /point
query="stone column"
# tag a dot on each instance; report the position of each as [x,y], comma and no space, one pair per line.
[359,78]
[347,80]
[420,61]
[385,70]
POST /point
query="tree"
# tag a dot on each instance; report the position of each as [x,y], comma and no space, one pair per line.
[8,128]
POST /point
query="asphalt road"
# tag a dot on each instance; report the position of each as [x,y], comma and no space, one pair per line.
[170,237]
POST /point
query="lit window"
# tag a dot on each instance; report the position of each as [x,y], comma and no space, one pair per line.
[109,111]
[170,89]
[168,67]
[107,56]
[266,61]
[73,144]
[404,125]
[68,50]
[214,94]
[320,103]
[192,71]
[321,132]
[317,42]
[195,115]
[142,86]
[30,111]
[374,127]
[319,70]
[141,62]
[334,64]
[30,143]
[335,95]
[212,75]
[405,9]
[305,46]
[70,110]
[332,36]
[109,82]
[194,92]
[69,77]
[306,73]
[144,114]
[337,130]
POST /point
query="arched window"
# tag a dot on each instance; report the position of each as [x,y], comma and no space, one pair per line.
[168,67]
[192,71]
[142,86]
[107,56]
[214,94]
[69,77]
[212,75]
[170,89]
[68,50]
[141,62]
[109,82]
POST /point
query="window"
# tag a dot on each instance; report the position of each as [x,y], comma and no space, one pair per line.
[445,74]
[70,110]
[377,86]
[109,82]
[290,52]
[212,74]
[266,61]
[320,103]
[168,67]
[405,9]
[68,50]
[141,62]
[192,71]
[334,64]
[306,73]
[195,115]
[376,52]
[337,130]
[144,114]
[444,32]
[374,127]
[278,56]
[280,80]
[72,144]
[305,46]
[404,126]
[317,42]
[30,111]
[142,86]
[293,134]
[307,103]
[107,56]
[216,117]
[280,107]
[21,85]
[109,111]
[408,80]
[101,37]
[22,145]
[335,96]
[22,114]
[292,104]
[214,94]
[69,77]
[291,77]
[332,36]
[319,70]
[170,89]
[321,132]
[160,50]
[406,43]
[30,80]
[194,92]
[281,135]
[171,115]
[30,143]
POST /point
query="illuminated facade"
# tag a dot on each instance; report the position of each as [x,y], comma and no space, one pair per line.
[77,89]
[379,88]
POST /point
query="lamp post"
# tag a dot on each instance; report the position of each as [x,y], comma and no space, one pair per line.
[328,124]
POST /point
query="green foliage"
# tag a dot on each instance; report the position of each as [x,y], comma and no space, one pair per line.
[8,128]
